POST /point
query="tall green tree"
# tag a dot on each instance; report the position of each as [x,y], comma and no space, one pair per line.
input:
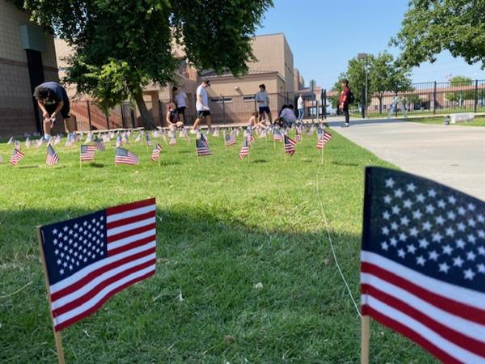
[387,76]
[122,46]
[431,26]
[464,90]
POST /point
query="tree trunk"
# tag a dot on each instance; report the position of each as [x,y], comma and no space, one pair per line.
[380,105]
[146,117]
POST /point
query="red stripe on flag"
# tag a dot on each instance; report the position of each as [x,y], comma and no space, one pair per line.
[88,295]
[129,206]
[92,275]
[411,334]
[132,245]
[101,302]
[131,232]
[130,220]
[456,308]
[470,344]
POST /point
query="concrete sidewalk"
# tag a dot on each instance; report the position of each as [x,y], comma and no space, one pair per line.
[452,155]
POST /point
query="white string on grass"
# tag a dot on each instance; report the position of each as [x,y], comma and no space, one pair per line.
[333,248]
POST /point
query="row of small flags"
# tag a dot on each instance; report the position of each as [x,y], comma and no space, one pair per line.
[51,159]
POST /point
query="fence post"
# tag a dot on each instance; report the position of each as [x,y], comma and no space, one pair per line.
[364,102]
[476,97]
[107,121]
[89,116]
[324,104]
[434,98]
[223,110]
[132,114]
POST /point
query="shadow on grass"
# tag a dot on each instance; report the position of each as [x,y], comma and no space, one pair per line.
[96,165]
[259,161]
[345,164]
[274,290]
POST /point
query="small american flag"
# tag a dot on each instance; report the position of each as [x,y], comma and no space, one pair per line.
[263,134]
[99,143]
[124,156]
[111,135]
[57,139]
[216,133]
[17,145]
[70,140]
[156,152]
[119,141]
[147,139]
[16,156]
[105,138]
[323,138]
[310,131]
[423,263]
[89,138]
[87,153]
[52,157]
[289,146]
[202,148]
[173,140]
[244,152]
[11,140]
[277,135]
[90,258]
[230,139]
[138,138]
[27,143]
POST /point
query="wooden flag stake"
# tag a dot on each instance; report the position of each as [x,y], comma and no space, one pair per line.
[364,350]
[57,334]
[323,148]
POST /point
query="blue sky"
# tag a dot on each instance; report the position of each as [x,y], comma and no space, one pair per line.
[325,34]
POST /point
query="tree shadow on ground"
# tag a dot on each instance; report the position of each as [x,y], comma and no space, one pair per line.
[274,291]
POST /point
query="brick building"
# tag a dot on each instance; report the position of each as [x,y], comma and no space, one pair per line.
[27,58]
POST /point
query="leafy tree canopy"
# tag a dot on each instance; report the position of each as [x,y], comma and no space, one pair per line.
[432,26]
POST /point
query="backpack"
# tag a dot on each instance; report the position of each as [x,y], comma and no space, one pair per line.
[351,97]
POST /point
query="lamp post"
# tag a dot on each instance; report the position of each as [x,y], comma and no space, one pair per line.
[366,57]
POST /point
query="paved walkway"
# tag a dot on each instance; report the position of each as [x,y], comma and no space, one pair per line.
[452,155]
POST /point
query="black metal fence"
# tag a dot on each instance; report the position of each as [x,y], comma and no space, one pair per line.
[428,99]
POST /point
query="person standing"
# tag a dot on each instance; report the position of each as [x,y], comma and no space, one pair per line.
[301,109]
[53,100]
[344,100]
[180,99]
[202,106]
[263,103]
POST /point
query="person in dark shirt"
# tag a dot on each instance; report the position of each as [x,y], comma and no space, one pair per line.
[53,100]
[344,101]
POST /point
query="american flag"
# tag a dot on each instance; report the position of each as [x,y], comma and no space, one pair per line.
[156,152]
[244,152]
[124,156]
[111,135]
[27,143]
[230,139]
[298,135]
[90,258]
[87,153]
[52,157]
[277,135]
[119,141]
[17,145]
[173,140]
[16,156]
[202,148]
[289,146]
[138,138]
[70,140]
[216,132]
[323,138]
[38,143]
[11,140]
[105,138]
[89,138]
[147,139]
[57,139]
[263,134]
[310,131]
[423,263]
[99,143]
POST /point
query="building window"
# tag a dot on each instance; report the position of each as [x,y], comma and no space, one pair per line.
[219,100]
[249,98]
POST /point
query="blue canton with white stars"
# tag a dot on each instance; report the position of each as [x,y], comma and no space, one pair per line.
[427,227]
[71,245]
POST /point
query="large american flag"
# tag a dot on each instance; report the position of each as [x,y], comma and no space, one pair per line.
[244,152]
[289,146]
[91,258]
[202,148]
[16,157]
[423,263]
[87,153]
[52,157]
[124,156]
[230,139]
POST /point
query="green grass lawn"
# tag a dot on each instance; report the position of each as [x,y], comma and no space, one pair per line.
[224,225]
[478,121]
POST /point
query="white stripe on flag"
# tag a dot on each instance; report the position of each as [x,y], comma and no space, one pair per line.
[448,347]
[131,239]
[131,213]
[93,301]
[128,227]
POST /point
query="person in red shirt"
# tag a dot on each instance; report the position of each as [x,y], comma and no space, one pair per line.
[344,101]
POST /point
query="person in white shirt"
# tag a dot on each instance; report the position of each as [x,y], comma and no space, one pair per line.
[301,109]
[263,103]
[180,99]
[395,104]
[202,106]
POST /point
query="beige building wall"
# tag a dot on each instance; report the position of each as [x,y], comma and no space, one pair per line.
[273,53]
[16,102]
[246,85]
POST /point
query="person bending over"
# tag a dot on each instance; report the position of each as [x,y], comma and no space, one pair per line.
[172,117]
